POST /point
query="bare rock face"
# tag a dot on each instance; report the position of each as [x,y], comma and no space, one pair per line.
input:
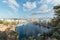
[6,27]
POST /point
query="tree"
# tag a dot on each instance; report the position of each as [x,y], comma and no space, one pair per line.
[3,36]
[23,38]
[56,35]
[30,37]
[12,35]
[56,20]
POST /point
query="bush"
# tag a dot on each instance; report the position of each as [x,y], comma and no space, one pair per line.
[12,35]
[56,35]
[3,36]
[1,22]
[13,23]
[5,23]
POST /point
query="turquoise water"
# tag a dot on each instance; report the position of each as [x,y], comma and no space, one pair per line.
[30,29]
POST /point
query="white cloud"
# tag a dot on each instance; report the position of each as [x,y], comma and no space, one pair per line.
[48,1]
[56,2]
[44,7]
[4,1]
[12,4]
[29,5]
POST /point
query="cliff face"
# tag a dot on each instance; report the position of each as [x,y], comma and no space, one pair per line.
[6,27]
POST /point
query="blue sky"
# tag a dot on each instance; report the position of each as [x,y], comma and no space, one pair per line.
[27,8]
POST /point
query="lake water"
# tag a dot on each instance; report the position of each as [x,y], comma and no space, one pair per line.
[30,29]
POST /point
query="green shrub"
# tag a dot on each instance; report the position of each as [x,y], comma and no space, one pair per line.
[13,23]
[6,23]
[56,35]
[1,22]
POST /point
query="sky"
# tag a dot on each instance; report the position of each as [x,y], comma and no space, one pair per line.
[27,8]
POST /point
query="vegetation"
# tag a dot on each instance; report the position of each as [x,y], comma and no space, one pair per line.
[56,20]
[55,24]
[3,36]
[10,35]
[1,22]
[54,34]
[8,23]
